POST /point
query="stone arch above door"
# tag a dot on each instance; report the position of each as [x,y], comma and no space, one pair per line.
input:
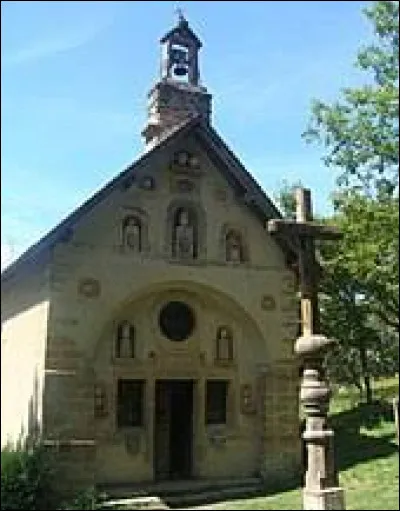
[212,310]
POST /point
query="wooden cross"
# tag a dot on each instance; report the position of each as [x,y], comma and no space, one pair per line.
[303,232]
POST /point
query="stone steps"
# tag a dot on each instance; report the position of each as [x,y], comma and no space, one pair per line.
[179,494]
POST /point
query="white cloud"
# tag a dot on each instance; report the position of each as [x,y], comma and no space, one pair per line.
[54,44]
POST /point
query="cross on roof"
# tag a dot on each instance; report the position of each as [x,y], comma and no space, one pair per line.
[181,17]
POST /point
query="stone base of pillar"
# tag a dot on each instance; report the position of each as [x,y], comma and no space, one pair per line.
[329,498]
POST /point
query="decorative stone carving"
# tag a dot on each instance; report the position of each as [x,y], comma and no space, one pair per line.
[314,396]
[268,303]
[182,158]
[234,247]
[217,436]
[184,186]
[289,284]
[132,234]
[185,230]
[186,159]
[224,345]
[184,162]
[125,341]
[246,399]
[133,442]
[147,183]
[100,401]
[184,235]
[88,287]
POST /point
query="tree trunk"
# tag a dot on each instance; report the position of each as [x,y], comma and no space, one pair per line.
[368,389]
[364,373]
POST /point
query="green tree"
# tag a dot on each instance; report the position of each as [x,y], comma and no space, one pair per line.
[285,197]
[367,345]
[361,131]
[359,290]
[355,270]
[360,135]
[367,341]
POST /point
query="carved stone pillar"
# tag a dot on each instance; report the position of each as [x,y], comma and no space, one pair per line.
[321,486]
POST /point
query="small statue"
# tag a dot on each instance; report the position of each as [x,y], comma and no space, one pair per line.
[132,235]
[247,401]
[125,346]
[233,245]
[100,400]
[184,236]
[224,344]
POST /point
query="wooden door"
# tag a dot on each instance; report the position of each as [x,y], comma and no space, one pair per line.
[162,431]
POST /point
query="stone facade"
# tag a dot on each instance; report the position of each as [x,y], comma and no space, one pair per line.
[85,318]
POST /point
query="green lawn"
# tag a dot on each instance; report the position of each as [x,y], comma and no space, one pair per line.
[367,456]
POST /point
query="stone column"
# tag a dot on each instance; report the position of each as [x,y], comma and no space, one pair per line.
[321,486]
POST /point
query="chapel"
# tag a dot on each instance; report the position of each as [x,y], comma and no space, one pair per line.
[149,336]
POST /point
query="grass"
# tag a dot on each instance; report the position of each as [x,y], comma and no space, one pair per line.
[367,455]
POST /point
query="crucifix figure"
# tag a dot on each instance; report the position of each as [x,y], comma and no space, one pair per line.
[321,489]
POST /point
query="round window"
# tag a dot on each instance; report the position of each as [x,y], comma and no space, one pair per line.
[176,321]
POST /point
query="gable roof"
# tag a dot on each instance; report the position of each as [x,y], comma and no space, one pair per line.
[182,30]
[248,189]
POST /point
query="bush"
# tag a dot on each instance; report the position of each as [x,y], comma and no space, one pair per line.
[26,479]
[87,499]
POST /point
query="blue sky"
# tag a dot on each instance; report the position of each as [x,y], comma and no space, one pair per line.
[75,76]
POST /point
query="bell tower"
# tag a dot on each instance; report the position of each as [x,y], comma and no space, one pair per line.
[178,95]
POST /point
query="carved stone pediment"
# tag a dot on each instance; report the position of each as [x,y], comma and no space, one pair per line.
[185,163]
[183,185]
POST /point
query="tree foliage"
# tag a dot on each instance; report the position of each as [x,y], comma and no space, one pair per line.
[285,197]
[358,299]
[359,292]
[361,131]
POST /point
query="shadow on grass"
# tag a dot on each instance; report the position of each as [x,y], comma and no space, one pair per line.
[233,495]
[352,446]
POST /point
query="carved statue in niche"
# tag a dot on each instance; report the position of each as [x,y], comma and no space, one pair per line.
[247,399]
[132,234]
[100,400]
[125,342]
[233,247]
[187,160]
[184,235]
[224,344]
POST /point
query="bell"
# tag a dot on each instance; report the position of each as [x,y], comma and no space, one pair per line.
[179,59]
[180,70]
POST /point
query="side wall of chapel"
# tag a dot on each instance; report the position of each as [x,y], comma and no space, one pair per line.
[24,311]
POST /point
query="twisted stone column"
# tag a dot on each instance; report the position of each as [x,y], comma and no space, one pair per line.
[321,489]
